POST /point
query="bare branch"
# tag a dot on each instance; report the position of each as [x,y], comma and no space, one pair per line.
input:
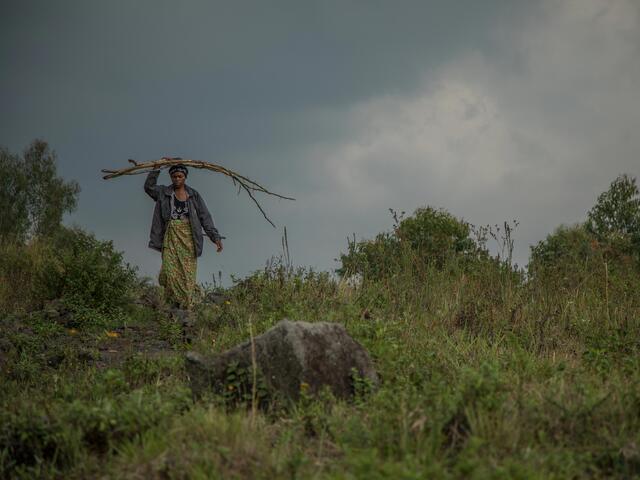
[242,182]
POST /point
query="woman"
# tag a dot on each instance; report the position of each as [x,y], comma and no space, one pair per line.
[179,217]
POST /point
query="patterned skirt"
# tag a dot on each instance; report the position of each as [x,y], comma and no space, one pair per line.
[178,272]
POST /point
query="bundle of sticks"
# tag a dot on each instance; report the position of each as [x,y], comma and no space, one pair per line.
[242,182]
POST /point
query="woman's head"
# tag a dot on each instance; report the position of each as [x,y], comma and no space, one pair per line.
[178,174]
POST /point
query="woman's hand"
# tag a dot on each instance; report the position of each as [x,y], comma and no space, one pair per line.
[219,246]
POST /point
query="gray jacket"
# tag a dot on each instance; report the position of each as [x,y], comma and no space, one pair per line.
[199,215]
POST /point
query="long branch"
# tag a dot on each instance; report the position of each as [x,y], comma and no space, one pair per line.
[243,182]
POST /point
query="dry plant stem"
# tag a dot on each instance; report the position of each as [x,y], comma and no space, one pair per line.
[606,289]
[243,182]
[254,371]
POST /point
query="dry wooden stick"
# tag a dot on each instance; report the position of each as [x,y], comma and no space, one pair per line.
[241,181]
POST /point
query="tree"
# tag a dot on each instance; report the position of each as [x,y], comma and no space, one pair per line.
[14,221]
[615,218]
[617,211]
[33,198]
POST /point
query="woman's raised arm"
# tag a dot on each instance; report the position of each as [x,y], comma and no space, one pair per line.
[151,184]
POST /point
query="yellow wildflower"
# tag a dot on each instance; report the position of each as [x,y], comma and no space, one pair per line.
[111,334]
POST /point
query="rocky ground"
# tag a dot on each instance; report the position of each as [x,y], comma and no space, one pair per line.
[53,336]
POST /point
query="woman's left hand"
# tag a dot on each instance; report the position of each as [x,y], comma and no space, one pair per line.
[219,246]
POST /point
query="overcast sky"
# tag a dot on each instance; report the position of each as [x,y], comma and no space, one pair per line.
[494,110]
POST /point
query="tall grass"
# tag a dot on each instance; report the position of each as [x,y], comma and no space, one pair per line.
[486,373]
[19,275]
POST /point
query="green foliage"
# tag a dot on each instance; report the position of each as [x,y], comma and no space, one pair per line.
[615,220]
[565,254]
[14,221]
[239,388]
[616,215]
[87,274]
[272,292]
[19,269]
[41,260]
[436,234]
[33,198]
[372,259]
[30,438]
[40,442]
[429,236]
[483,376]
[609,239]
[485,373]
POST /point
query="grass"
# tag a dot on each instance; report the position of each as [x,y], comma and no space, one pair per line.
[485,375]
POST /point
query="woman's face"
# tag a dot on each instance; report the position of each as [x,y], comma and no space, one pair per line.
[177,178]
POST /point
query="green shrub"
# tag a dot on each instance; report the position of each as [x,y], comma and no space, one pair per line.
[615,218]
[111,420]
[607,245]
[436,234]
[429,236]
[32,441]
[373,259]
[38,442]
[87,274]
[564,251]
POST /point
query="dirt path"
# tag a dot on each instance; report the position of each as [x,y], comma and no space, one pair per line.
[54,342]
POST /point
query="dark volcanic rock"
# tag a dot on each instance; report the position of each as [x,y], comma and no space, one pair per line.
[290,357]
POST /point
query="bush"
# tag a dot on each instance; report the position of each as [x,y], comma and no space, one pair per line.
[436,234]
[88,272]
[567,245]
[429,237]
[72,265]
[373,259]
[609,239]
[40,442]
[573,260]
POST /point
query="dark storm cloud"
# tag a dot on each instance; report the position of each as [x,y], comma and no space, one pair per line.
[227,68]
[494,110]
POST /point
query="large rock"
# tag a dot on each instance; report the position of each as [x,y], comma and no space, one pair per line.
[291,357]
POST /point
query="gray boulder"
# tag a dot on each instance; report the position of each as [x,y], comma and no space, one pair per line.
[291,357]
